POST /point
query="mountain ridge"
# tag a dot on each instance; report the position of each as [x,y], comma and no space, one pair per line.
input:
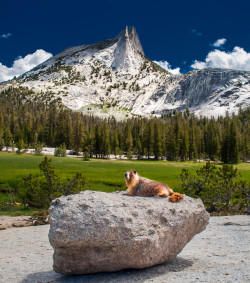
[114,78]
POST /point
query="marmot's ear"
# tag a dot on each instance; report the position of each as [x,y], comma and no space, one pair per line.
[134,172]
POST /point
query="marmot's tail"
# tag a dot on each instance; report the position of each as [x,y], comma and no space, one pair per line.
[176,197]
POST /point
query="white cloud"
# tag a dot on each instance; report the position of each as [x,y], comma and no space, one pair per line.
[219,42]
[165,65]
[7,35]
[22,65]
[238,59]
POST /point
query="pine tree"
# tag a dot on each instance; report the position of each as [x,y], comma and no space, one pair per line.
[177,137]
[78,133]
[1,121]
[157,140]
[211,139]
[115,143]
[149,138]
[1,141]
[51,126]
[105,144]
[184,145]
[138,148]
[192,153]
[8,138]
[225,146]
[97,141]
[170,145]
[128,141]
[233,143]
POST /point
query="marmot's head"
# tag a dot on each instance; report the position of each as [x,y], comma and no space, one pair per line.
[130,175]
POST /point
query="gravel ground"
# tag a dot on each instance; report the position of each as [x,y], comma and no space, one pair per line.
[221,253]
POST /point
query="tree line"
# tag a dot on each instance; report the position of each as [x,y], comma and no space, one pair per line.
[27,121]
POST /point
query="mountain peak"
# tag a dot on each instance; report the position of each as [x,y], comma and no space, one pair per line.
[130,34]
[129,50]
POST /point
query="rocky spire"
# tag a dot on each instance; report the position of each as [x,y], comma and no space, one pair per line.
[128,50]
[126,32]
[134,39]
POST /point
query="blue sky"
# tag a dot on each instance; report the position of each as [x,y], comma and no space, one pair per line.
[179,33]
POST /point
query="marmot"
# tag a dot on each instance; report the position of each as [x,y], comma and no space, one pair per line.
[139,186]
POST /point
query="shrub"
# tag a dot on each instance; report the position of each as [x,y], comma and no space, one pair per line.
[39,191]
[86,156]
[219,187]
[61,151]
[9,203]
[38,149]
[20,146]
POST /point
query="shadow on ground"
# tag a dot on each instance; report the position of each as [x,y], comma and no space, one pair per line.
[131,275]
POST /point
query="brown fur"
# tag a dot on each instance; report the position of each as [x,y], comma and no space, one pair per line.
[139,186]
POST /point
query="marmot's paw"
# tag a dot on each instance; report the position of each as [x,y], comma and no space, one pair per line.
[163,194]
[176,197]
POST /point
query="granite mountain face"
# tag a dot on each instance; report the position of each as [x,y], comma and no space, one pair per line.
[114,78]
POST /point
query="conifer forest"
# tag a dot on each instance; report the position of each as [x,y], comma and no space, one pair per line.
[30,121]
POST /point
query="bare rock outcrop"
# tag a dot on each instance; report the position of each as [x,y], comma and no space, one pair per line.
[95,231]
[7,221]
[128,51]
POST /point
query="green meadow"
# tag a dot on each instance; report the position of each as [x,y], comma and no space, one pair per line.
[102,175]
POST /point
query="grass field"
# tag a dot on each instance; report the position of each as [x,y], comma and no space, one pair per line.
[102,175]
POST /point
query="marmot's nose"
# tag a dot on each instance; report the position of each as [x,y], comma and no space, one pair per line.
[126,176]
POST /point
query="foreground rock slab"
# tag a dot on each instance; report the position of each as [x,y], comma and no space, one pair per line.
[97,232]
[27,257]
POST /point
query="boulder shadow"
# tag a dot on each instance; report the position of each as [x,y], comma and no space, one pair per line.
[129,275]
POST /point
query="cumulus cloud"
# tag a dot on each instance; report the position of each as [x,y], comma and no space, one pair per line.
[7,35]
[219,42]
[165,65]
[194,31]
[238,59]
[22,65]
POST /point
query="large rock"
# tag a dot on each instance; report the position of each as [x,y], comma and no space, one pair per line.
[95,231]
